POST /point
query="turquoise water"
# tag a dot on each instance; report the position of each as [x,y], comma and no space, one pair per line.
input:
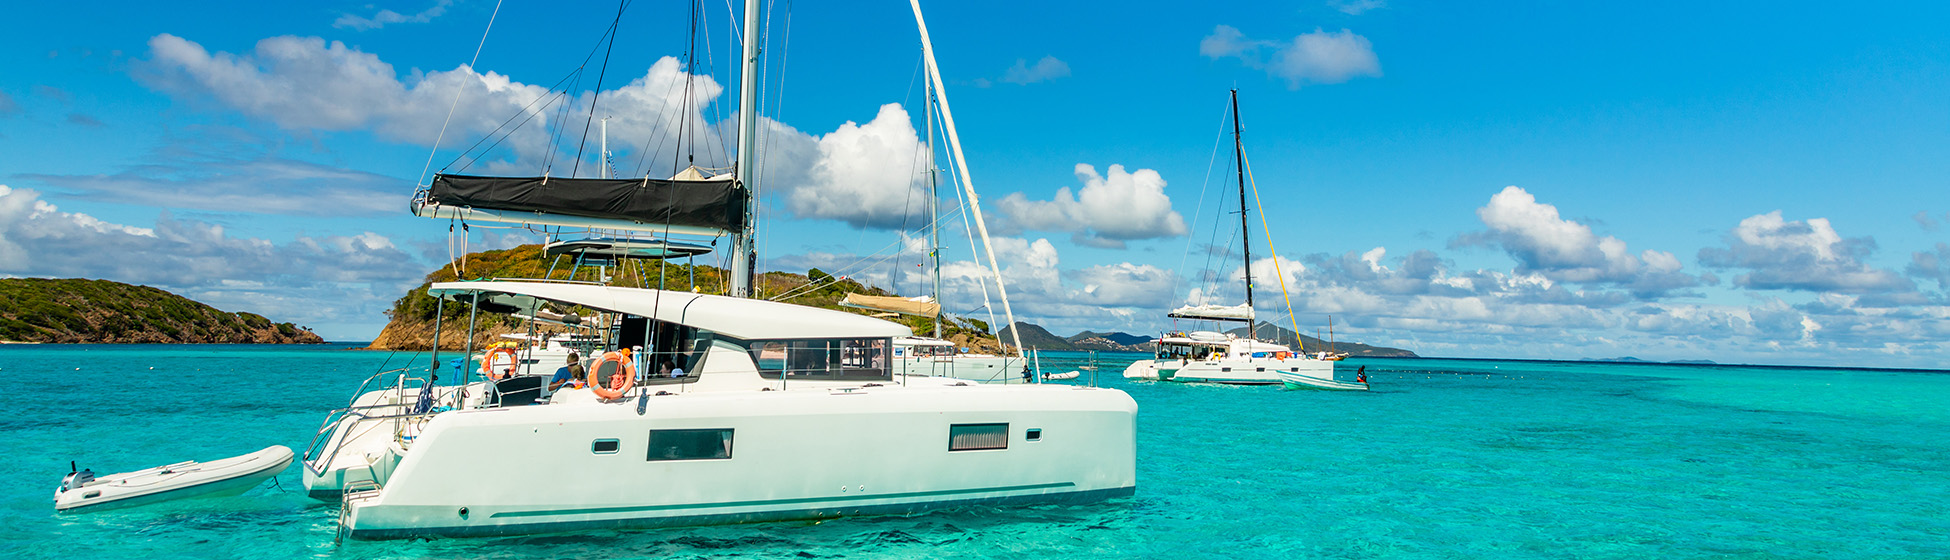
[1445,459]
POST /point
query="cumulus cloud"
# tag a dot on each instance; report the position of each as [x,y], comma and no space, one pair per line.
[306,84]
[1563,250]
[348,279]
[1932,266]
[1109,210]
[387,17]
[867,175]
[1319,57]
[1049,68]
[1777,254]
[1924,220]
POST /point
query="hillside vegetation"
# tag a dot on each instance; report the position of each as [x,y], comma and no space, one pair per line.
[411,320]
[71,310]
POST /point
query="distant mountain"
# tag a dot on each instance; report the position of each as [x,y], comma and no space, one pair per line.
[1620,359]
[1111,342]
[1274,333]
[74,310]
[1035,337]
[1695,362]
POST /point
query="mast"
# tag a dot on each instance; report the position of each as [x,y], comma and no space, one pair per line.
[742,252]
[934,212]
[1245,237]
[604,155]
[961,166]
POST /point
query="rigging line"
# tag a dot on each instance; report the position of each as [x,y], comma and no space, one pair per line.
[907,205]
[561,116]
[778,110]
[1209,163]
[504,124]
[505,137]
[854,266]
[1281,274]
[961,205]
[457,91]
[687,127]
[594,98]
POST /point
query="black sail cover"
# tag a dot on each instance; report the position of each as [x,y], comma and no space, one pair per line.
[709,204]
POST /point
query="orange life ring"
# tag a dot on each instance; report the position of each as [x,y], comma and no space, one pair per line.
[624,369]
[487,363]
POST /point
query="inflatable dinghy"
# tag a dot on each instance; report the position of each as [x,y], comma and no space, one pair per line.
[81,489]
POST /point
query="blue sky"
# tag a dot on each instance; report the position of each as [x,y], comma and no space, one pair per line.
[1744,182]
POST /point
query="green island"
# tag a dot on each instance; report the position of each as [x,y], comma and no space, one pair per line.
[74,310]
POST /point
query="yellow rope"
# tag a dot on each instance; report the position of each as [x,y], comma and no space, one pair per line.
[1277,272]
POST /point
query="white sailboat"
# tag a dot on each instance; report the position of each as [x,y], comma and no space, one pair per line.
[1214,357]
[783,412]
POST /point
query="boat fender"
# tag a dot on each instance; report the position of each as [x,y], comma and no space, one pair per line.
[619,382]
[487,363]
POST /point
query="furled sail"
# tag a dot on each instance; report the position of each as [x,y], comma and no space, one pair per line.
[705,207]
[923,306]
[1240,312]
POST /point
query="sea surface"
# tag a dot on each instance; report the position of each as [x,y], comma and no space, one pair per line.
[1444,459]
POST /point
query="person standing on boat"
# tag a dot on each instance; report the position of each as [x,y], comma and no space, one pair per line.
[571,374]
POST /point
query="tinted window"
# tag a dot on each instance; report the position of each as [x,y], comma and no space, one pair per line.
[970,437]
[684,445]
[831,359]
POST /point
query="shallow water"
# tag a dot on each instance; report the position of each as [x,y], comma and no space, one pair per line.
[1445,459]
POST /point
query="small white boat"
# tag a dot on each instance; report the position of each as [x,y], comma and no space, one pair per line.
[222,477]
[1299,379]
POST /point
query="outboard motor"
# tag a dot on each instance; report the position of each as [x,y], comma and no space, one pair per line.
[76,478]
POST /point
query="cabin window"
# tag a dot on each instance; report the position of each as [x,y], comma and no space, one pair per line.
[972,437]
[688,445]
[604,446]
[842,359]
[1034,434]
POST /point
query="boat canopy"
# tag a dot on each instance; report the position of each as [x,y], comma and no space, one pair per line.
[708,207]
[748,319]
[923,306]
[1241,312]
[604,248]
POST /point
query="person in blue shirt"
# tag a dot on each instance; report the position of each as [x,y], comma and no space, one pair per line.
[671,370]
[571,374]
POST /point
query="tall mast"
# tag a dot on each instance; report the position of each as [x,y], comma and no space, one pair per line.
[742,252]
[961,166]
[1245,238]
[604,155]
[934,213]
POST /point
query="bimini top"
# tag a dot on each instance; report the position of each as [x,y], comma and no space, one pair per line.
[749,319]
[610,248]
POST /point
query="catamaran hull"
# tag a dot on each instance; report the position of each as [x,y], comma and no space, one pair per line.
[980,369]
[1240,371]
[801,454]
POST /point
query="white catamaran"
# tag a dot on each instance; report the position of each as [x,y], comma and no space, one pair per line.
[782,411]
[1214,357]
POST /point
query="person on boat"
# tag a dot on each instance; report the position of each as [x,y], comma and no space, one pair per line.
[571,375]
[670,369]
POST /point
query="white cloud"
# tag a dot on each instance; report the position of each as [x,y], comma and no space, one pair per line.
[1810,255]
[339,279]
[1108,211]
[1049,68]
[306,84]
[869,176]
[1924,220]
[1932,266]
[1319,57]
[260,185]
[386,17]
[1567,251]
[1357,7]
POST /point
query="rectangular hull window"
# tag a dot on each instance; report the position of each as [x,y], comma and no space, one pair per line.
[688,445]
[971,437]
